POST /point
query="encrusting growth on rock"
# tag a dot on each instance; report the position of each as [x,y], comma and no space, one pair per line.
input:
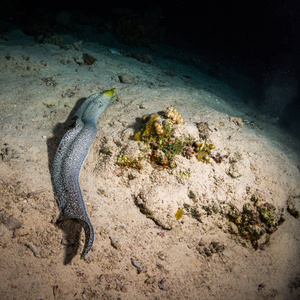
[159,133]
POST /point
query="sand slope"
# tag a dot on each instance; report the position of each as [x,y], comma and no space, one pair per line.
[135,256]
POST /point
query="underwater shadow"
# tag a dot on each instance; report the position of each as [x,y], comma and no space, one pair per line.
[71,228]
[141,121]
[136,126]
[72,231]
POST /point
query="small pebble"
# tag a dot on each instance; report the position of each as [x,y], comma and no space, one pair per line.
[11,223]
[125,78]
[56,56]
[138,266]
[162,284]
[114,243]
[34,249]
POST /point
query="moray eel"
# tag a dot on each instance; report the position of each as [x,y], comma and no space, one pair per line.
[69,158]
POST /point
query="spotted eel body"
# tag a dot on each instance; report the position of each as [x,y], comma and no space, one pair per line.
[69,158]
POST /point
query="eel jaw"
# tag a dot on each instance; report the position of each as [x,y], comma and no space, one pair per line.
[110,93]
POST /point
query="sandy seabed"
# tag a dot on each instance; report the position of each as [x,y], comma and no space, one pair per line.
[141,250]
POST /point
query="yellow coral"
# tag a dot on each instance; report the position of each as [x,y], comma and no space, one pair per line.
[179,214]
[152,127]
[158,128]
[203,150]
[174,115]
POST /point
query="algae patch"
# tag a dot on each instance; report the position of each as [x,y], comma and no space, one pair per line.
[124,160]
[257,221]
[193,211]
